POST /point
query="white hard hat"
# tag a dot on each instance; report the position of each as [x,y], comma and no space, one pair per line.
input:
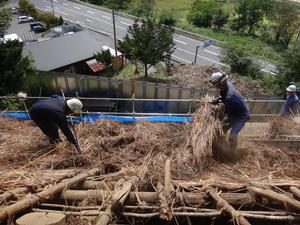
[75,105]
[22,95]
[291,88]
[217,78]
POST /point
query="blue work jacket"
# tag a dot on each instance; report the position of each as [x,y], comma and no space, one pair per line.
[291,106]
[53,110]
[235,106]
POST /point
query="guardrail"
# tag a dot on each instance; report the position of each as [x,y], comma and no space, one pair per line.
[159,106]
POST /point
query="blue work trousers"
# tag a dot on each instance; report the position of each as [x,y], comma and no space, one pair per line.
[236,126]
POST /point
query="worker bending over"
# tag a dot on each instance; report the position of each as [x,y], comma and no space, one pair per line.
[291,105]
[50,115]
[236,112]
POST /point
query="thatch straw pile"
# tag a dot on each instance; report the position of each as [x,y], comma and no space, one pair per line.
[205,128]
[26,158]
[281,126]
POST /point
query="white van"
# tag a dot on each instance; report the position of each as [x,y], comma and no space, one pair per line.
[25,19]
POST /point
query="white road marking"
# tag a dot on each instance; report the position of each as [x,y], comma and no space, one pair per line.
[55,10]
[48,10]
[76,7]
[179,41]
[55,1]
[174,56]
[214,53]
[65,4]
[125,23]
[267,71]
[89,21]
[93,18]
[79,22]
[201,57]
[107,17]
[90,12]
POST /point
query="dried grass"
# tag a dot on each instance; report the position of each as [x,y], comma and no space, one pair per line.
[281,126]
[27,159]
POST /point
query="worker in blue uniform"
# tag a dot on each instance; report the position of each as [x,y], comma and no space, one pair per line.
[50,115]
[236,112]
[291,105]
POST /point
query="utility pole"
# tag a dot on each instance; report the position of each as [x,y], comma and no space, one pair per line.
[52,7]
[196,54]
[115,39]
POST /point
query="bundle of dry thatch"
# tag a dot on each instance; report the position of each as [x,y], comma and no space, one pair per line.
[282,126]
[24,150]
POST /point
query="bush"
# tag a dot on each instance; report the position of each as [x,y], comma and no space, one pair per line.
[11,104]
[202,12]
[104,57]
[49,19]
[240,61]
[167,18]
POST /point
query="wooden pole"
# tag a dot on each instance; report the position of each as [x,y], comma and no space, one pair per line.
[277,197]
[118,198]
[224,205]
[10,194]
[200,199]
[295,191]
[30,201]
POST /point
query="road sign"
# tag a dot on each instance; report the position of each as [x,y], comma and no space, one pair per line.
[208,43]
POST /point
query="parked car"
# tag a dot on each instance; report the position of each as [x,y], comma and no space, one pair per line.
[39,28]
[14,10]
[25,19]
[33,24]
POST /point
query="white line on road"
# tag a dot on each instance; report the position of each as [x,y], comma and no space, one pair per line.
[93,18]
[201,57]
[174,56]
[90,12]
[107,17]
[267,71]
[57,8]
[214,53]
[89,21]
[180,41]
[50,9]
[65,4]
[79,22]
[76,7]
[55,1]
[125,23]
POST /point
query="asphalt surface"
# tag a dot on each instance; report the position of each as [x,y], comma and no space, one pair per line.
[102,21]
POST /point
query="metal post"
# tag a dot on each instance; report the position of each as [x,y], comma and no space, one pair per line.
[115,39]
[196,54]
[52,7]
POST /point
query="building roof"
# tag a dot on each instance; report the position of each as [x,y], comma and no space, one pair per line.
[95,65]
[63,50]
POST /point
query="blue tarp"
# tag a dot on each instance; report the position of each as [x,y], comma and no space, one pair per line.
[91,117]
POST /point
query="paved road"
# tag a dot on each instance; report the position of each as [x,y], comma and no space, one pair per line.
[102,21]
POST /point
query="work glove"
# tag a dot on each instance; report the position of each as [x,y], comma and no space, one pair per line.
[22,95]
[216,101]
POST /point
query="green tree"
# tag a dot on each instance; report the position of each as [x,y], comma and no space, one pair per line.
[240,61]
[143,8]
[202,12]
[167,18]
[27,8]
[104,57]
[220,18]
[5,19]
[289,70]
[249,13]
[285,22]
[49,19]
[13,67]
[148,42]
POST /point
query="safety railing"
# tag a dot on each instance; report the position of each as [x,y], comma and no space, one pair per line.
[137,106]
